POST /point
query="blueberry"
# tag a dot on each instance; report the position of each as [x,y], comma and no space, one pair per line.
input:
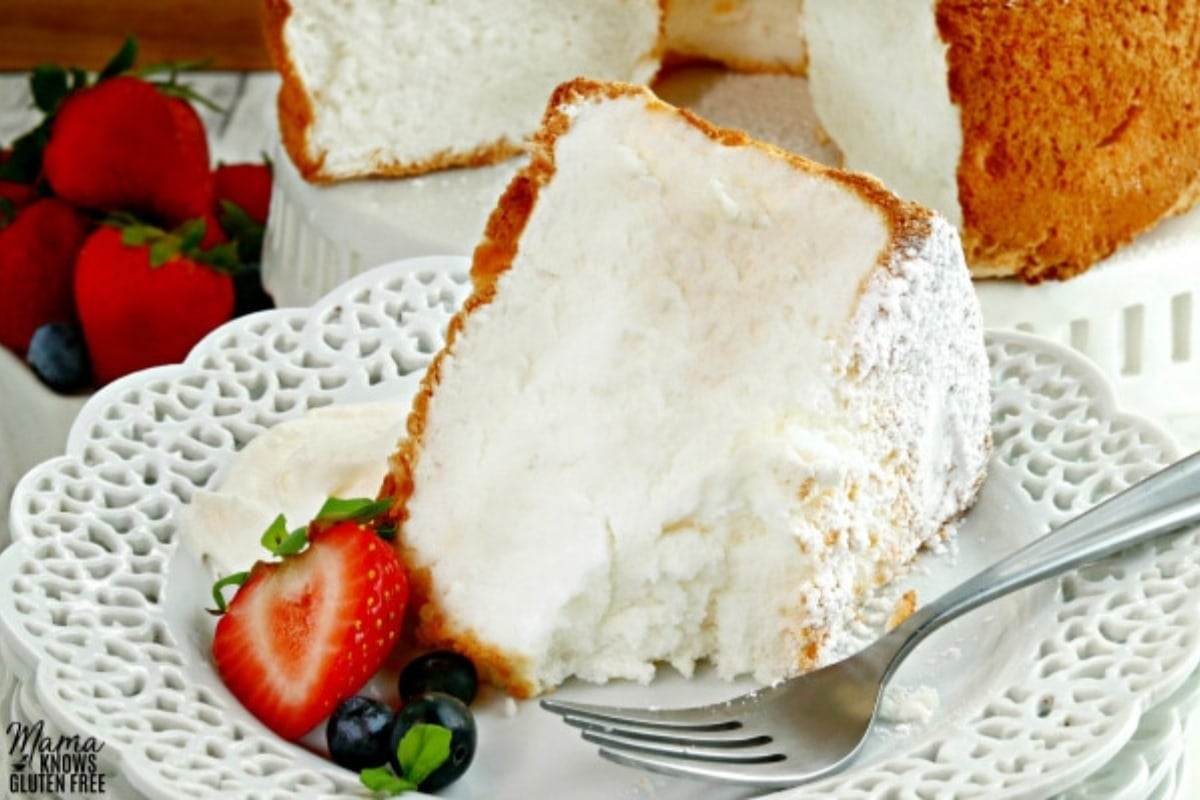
[358,733]
[436,708]
[58,356]
[440,671]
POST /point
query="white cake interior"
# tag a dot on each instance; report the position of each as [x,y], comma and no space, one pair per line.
[878,77]
[478,72]
[710,404]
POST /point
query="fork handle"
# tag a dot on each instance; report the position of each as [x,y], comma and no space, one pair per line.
[1164,502]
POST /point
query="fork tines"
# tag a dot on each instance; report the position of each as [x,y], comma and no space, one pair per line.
[694,743]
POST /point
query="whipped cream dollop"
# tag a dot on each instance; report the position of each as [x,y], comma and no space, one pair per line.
[336,451]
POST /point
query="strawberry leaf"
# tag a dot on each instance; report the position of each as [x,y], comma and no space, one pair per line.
[381,779]
[190,234]
[184,240]
[24,162]
[136,234]
[50,84]
[245,229]
[237,218]
[359,509]
[282,542]
[218,593]
[222,258]
[163,250]
[123,61]
[423,749]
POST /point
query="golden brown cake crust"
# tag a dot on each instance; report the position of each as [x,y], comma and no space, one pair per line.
[294,105]
[907,223]
[1045,193]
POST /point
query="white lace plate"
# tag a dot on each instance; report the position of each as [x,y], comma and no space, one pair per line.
[1149,767]
[101,613]
[1145,767]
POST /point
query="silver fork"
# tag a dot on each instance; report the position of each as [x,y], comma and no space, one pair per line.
[813,725]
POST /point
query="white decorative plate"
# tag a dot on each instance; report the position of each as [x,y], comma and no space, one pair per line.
[101,612]
[1147,764]
[33,426]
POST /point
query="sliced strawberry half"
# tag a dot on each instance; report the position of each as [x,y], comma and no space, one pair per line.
[304,633]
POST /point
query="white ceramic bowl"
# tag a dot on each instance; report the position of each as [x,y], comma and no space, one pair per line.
[34,422]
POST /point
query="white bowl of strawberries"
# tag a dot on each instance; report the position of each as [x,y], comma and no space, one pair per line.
[121,245]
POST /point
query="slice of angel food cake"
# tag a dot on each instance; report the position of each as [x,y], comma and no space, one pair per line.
[705,396]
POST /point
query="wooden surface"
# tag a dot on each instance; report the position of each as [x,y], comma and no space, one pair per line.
[86,33]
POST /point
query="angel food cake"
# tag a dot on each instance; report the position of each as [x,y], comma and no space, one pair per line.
[1052,133]
[406,87]
[704,396]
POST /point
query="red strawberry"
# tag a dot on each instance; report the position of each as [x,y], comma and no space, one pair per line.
[124,145]
[37,260]
[145,298]
[305,633]
[247,186]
